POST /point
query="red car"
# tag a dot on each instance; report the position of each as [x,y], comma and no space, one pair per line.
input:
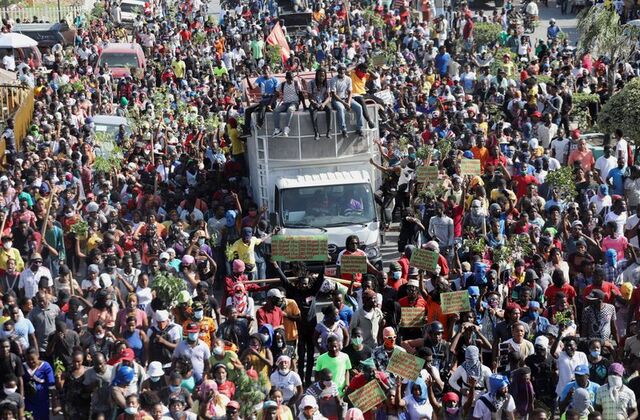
[122,57]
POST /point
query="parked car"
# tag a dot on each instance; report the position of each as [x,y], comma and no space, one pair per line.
[47,34]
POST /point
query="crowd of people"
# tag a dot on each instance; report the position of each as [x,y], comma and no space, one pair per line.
[131,282]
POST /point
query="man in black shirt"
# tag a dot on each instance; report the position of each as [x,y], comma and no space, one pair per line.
[357,350]
[10,363]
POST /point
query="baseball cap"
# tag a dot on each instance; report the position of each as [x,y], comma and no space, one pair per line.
[616,369]
[596,294]
[164,256]
[127,354]
[581,370]
[192,327]
[275,293]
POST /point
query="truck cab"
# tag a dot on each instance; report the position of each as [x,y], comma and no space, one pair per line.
[314,187]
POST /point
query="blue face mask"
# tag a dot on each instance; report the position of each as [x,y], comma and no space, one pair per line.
[192,337]
[595,353]
[534,314]
[412,156]
[397,275]
[174,388]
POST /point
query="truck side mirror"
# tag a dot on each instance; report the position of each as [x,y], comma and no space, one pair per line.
[274,220]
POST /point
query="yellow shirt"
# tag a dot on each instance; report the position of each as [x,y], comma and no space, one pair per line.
[237,146]
[12,253]
[290,326]
[179,68]
[207,327]
[244,251]
[357,83]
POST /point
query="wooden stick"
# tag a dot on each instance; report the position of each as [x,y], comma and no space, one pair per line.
[46,220]
[334,279]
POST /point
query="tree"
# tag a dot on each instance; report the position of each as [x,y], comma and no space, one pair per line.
[622,111]
[485,33]
[601,32]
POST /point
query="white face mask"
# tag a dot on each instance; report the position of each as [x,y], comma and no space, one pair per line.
[100,336]
[7,245]
[218,351]
[10,391]
[614,381]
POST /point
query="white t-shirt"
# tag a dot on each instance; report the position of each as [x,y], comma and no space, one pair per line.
[620,220]
[604,165]
[416,410]
[561,149]
[481,411]
[287,384]
[566,366]
[622,149]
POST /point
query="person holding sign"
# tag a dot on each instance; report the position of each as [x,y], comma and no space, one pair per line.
[413,300]
[419,405]
[382,354]
[368,373]
[352,244]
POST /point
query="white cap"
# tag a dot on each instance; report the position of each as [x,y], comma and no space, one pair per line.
[165,256]
[308,401]
[161,316]
[155,369]
[92,207]
[106,280]
[274,293]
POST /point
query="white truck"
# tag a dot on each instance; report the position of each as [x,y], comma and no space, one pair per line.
[322,186]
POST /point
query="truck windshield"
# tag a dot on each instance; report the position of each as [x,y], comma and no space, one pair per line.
[327,206]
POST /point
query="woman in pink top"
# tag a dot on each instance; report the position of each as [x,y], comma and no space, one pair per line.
[614,241]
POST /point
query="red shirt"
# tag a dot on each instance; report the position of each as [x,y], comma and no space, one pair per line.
[275,317]
[552,290]
[359,381]
[610,291]
[420,303]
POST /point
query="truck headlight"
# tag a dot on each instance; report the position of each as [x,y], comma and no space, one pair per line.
[372,251]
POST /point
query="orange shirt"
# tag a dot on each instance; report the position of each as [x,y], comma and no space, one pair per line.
[207,329]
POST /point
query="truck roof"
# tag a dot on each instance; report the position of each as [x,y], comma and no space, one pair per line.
[327,178]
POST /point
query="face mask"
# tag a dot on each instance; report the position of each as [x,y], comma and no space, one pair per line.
[7,245]
[178,415]
[69,214]
[9,391]
[327,384]
[218,351]
[192,337]
[174,388]
[452,410]
[201,241]
[389,342]
[614,381]
[397,275]
[412,156]
[155,378]
[595,353]
[198,314]
[534,314]
[100,336]
[356,341]
[284,371]
[131,410]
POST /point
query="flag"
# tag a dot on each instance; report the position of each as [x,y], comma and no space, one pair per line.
[276,37]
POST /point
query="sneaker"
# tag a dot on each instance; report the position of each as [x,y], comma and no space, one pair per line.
[316,137]
[277,132]
[328,135]
[286,131]
[371,124]
[359,133]
[344,132]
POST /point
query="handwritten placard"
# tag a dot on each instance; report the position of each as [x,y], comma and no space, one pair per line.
[299,248]
[455,302]
[405,365]
[411,317]
[425,174]
[424,259]
[353,264]
[368,397]
[470,167]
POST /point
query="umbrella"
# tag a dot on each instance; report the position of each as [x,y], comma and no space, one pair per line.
[16,40]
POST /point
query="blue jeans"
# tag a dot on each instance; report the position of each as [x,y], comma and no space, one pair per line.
[290,107]
[341,111]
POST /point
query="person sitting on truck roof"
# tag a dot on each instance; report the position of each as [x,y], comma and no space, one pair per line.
[342,101]
[290,94]
[319,99]
[268,86]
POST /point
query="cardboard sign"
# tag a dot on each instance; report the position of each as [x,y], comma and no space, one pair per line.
[378,60]
[353,264]
[387,96]
[368,397]
[426,174]
[424,259]
[411,317]
[470,167]
[405,365]
[455,302]
[299,248]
